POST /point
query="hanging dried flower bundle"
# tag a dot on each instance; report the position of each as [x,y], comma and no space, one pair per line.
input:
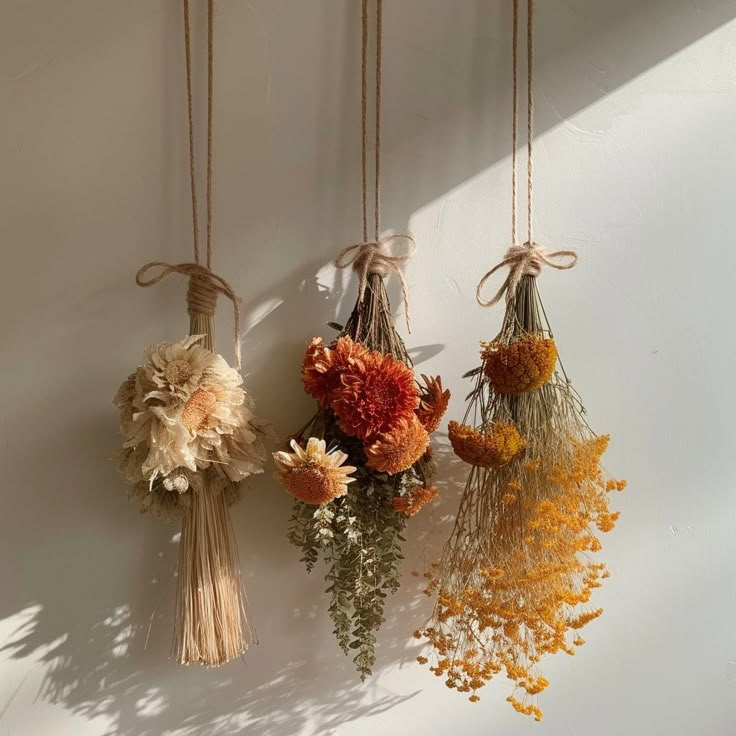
[362,465]
[516,576]
[189,436]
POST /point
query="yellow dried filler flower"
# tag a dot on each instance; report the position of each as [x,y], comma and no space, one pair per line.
[522,365]
[490,448]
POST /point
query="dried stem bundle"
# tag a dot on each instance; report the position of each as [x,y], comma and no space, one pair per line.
[212,621]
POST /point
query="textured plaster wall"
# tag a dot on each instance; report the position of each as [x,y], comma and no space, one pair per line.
[635,162]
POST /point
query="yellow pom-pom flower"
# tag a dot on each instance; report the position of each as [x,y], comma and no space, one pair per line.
[490,448]
[520,366]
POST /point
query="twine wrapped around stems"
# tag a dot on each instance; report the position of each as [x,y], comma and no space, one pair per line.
[523,260]
[371,258]
[204,288]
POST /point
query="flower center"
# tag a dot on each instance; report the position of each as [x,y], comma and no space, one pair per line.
[178,372]
[198,409]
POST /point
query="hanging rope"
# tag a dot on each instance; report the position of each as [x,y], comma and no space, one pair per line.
[374,255]
[204,284]
[529,258]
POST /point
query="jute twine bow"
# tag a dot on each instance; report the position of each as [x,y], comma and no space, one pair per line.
[523,260]
[204,288]
[375,258]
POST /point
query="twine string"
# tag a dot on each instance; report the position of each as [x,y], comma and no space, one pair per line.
[204,288]
[523,260]
[204,285]
[373,256]
[528,258]
[376,258]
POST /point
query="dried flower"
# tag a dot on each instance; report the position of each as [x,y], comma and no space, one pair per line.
[399,448]
[312,474]
[185,408]
[178,368]
[414,500]
[524,364]
[323,366]
[375,397]
[433,403]
[493,446]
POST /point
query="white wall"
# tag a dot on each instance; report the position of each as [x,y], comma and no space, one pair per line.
[636,170]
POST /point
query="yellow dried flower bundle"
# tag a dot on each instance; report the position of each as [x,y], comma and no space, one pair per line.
[516,576]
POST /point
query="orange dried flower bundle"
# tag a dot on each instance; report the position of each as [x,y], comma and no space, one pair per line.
[516,576]
[361,466]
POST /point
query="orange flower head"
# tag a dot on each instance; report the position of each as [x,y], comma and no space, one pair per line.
[414,500]
[520,366]
[491,448]
[323,366]
[399,448]
[433,403]
[375,395]
[312,474]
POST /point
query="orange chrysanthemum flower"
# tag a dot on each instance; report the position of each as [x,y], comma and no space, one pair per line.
[399,448]
[433,403]
[312,474]
[519,366]
[323,366]
[374,396]
[497,446]
[414,500]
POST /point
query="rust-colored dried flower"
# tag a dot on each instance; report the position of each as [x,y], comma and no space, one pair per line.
[520,366]
[323,366]
[375,396]
[490,448]
[414,500]
[399,448]
[312,474]
[433,402]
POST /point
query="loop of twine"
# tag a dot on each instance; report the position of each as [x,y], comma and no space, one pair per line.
[529,258]
[204,288]
[523,260]
[375,258]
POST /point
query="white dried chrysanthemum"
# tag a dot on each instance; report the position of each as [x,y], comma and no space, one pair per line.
[185,410]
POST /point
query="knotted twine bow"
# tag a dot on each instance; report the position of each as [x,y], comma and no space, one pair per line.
[523,260]
[375,258]
[204,288]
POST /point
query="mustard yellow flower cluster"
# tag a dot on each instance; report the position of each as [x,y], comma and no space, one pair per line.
[528,596]
[521,365]
[487,447]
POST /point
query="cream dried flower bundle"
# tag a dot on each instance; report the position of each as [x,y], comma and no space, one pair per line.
[190,436]
[184,412]
[362,465]
[515,579]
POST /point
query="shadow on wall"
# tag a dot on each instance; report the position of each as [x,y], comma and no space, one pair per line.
[107,655]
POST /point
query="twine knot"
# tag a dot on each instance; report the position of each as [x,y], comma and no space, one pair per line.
[523,260]
[374,257]
[204,288]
